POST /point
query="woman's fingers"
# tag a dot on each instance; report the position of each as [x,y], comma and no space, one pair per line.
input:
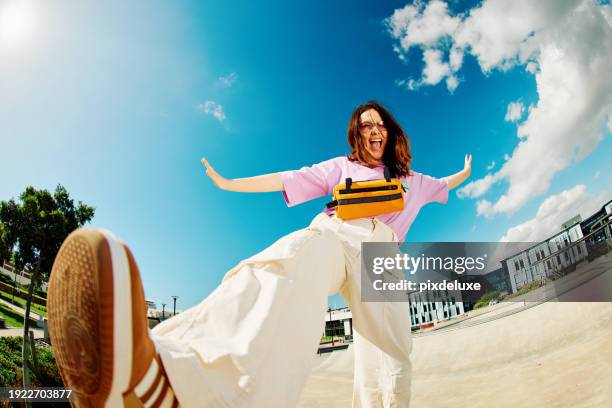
[210,172]
[209,169]
[206,164]
[468,161]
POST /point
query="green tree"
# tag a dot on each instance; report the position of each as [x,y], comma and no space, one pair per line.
[486,298]
[34,230]
[35,227]
[5,249]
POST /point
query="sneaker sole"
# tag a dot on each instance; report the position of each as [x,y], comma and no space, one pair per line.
[90,319]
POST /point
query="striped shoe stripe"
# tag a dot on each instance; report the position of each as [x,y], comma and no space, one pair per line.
[169,401]
[154,389]
[151,397]
[149,379]
[162,395]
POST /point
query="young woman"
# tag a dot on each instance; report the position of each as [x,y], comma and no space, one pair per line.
[252,342]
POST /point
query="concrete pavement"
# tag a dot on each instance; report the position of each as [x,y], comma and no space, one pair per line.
[553,354]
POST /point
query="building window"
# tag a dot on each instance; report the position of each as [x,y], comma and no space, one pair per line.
[521,263]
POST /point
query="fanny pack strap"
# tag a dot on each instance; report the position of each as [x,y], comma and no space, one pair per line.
[387,173]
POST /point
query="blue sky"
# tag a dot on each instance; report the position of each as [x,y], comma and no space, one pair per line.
[107,99]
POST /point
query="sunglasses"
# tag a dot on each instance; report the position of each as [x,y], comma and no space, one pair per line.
[368,126]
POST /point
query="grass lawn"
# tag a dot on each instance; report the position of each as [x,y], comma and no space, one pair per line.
[24,292]
[21,302]
[23,288]
[12,318]
[328,339]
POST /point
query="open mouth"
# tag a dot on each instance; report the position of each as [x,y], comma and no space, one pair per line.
[376,143]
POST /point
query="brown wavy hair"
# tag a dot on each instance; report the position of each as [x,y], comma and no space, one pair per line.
[396,156]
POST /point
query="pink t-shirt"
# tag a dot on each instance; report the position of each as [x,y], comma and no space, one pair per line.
[320,179]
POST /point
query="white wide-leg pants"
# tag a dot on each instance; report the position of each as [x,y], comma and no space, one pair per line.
[253,341]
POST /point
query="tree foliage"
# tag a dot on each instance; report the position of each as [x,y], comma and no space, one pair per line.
[11,365]
[5,250]
[34,227]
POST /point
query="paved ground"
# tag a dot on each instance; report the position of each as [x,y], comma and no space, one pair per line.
[38,333]
[555,354]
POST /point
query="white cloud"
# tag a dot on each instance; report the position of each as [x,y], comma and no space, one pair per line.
[399,53]
[435,70]
[422,25]
[214,109]
[479,187]
[607,12]
[514,112]
[490,166]
[455,58]
[553,212]
[228,80]
[566,45]
[484,207]
[597,174]
[531,67]
[452,83]
[409,84]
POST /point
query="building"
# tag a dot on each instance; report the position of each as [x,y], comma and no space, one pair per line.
[339,323]
[550,258]
[595,226]
[428,308]
[572,221]
[558,255]
[499,280]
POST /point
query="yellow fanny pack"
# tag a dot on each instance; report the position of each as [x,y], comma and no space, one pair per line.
[362,199]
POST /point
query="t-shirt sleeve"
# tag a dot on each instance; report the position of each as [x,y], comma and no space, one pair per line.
[311,182]
[433,189]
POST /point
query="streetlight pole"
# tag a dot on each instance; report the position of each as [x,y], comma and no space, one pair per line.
[331,327]
[163,311]
[174,298]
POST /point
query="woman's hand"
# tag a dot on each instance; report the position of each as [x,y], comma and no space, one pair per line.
[467,167]
[214,176]
[458,178]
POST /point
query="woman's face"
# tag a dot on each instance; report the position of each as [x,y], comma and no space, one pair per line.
[373,133]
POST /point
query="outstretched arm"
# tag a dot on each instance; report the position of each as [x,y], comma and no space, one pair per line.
[458,178]
[257,184]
